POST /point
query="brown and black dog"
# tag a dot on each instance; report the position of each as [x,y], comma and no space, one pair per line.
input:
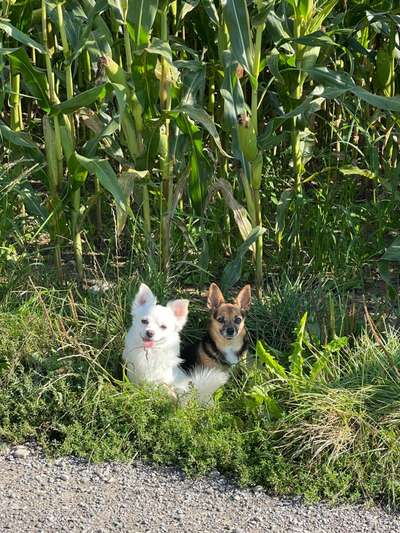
[225,342]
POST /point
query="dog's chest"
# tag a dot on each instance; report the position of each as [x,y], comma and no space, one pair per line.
[153,367]
[235,350]
[231,357]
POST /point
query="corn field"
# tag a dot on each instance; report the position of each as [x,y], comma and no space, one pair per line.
[209,130]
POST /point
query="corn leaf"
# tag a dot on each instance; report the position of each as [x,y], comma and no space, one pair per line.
[392,253]
[7,51]
[106,175]
[158,47]
[344,82]
[20,139]
[321,13]
[19,36]
[236,17]
[211,10]
[83,40]
[240,214]
[233,270]
[317,38]
[127,181]
[187,7]
[33,77]
[200,168]
[140,18]
[198,114]
[84,99]
[357,171]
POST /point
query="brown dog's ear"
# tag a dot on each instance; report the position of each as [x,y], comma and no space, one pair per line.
[215,298]
[243,299]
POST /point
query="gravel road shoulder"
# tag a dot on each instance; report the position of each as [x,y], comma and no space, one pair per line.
[70,495]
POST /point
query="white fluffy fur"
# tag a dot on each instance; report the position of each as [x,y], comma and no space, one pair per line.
[160,363]
[205,381]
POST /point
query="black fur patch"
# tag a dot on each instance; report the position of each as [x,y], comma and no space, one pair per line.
[189,354]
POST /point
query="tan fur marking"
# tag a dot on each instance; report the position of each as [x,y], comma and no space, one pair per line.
[229,311]
[243,299]
[215,298]
[205,360]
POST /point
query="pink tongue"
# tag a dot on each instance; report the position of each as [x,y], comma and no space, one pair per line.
[148,343]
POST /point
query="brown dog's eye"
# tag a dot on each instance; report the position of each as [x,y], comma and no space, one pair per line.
[163,327]
[238,320]
[220,319]
[145,321]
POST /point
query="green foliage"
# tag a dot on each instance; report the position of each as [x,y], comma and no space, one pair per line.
[308,87]
[181,143]
[331,433]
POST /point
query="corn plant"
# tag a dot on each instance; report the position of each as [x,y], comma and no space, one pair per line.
[154,108]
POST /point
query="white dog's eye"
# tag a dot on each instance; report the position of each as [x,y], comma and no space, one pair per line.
[145,321]
[163,327]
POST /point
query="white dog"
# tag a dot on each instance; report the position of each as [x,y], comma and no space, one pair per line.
[152,348]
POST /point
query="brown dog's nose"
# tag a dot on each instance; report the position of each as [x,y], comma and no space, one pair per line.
[149,333]
[230,331]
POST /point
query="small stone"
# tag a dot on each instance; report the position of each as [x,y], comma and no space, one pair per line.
[21,452]
[63,477]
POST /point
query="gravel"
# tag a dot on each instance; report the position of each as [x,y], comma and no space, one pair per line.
[70,495]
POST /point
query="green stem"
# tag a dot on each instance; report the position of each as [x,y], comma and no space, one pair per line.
[128,49]
[53,145]
[166,174]
[15,102]
[136,132]
[76,193]
[52,91]
[211,95]
[54,199]
[146,212]
[296,140]
[256,166]
[98,206]
[249,195]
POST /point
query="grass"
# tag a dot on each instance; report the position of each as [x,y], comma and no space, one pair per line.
[318,413]
[335,437]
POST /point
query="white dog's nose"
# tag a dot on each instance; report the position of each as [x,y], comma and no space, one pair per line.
[149,333]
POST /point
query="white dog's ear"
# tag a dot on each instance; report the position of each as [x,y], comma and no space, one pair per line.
[144,298]
[180,308]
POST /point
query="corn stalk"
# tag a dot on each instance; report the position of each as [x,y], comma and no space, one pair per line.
[53,146]
[167,184]
[248,55]
[76,192]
